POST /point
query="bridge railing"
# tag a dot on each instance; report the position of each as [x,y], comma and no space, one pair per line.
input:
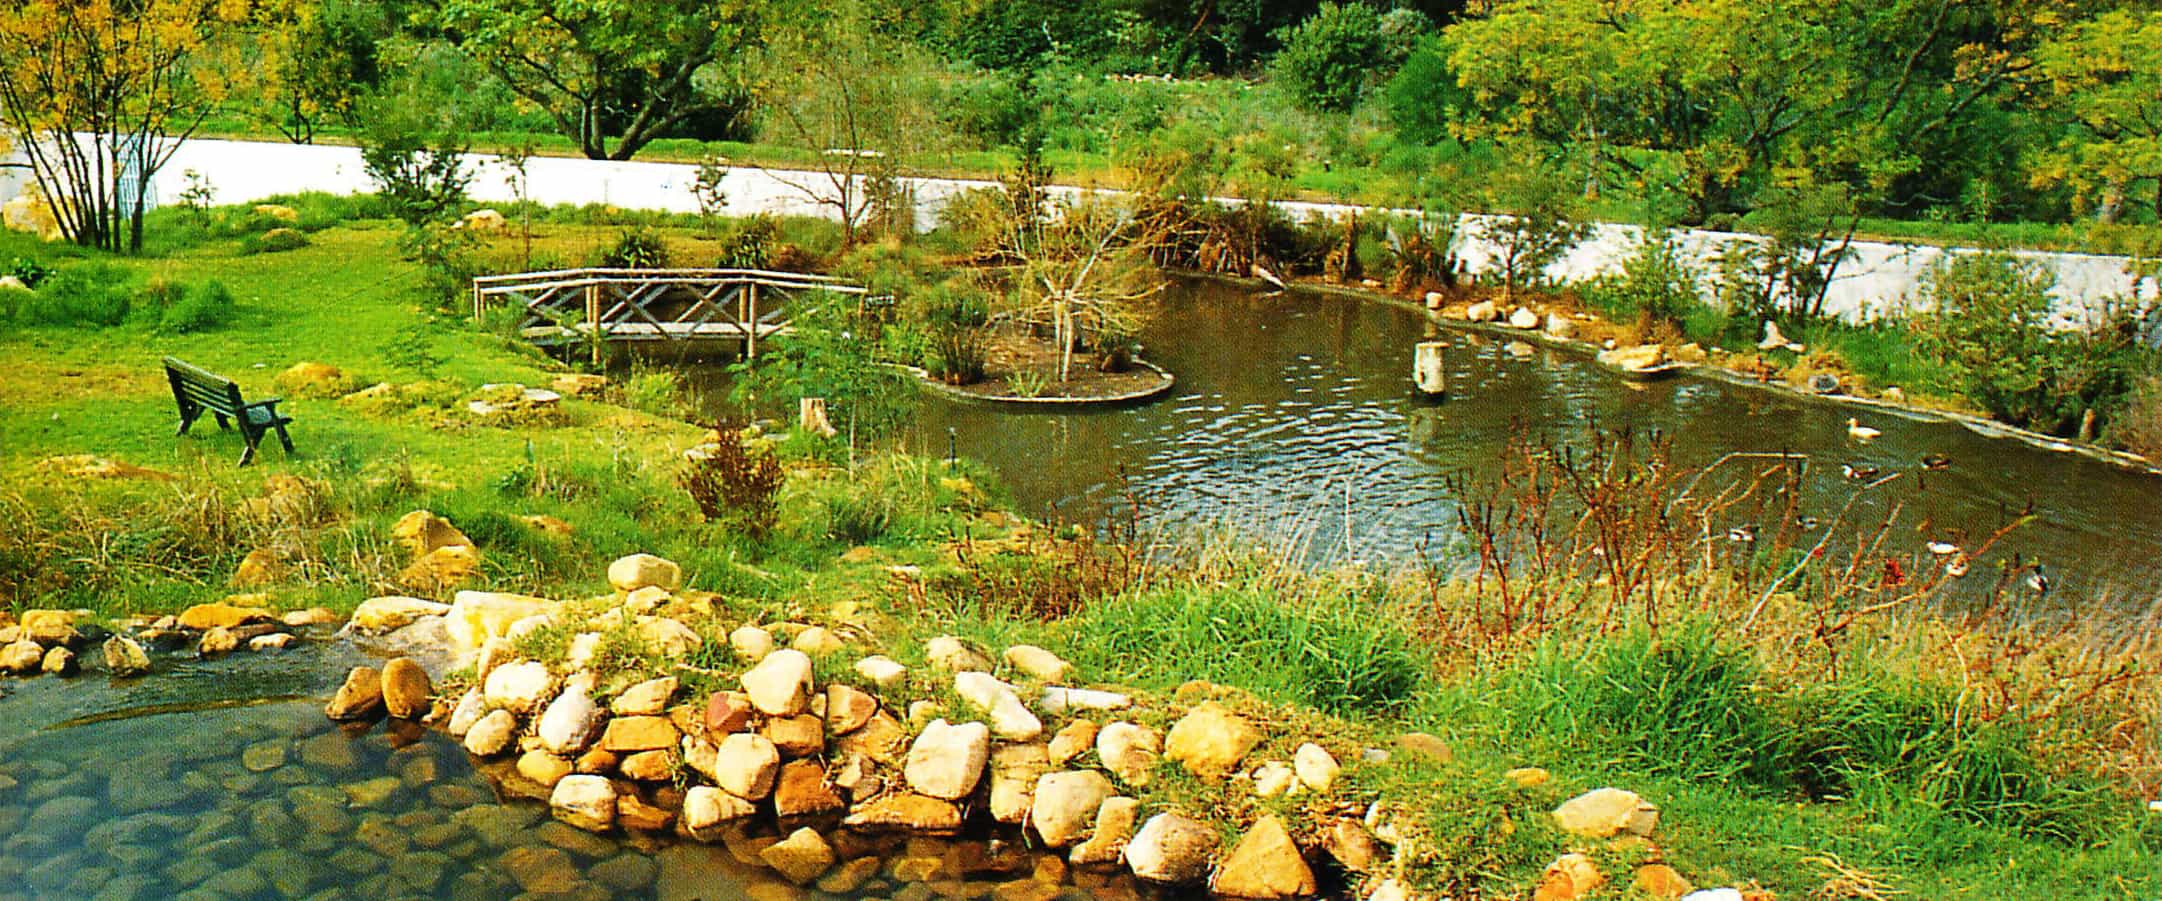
[576,305]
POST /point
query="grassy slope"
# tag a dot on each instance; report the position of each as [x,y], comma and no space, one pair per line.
[343,299]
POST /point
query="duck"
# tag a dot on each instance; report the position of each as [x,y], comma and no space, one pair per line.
[1943,548]
[1956,567]
[1859,432]
[2038,580]
[1936,462]
[1806,523]
[1860,472]
[1742,533]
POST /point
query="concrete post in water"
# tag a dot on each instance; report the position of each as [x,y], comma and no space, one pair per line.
[811,417]
[1426,369]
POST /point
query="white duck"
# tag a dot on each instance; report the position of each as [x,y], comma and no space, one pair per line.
[1859,432]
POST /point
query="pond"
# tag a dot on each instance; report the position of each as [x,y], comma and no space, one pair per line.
[1294,422]
[223,779]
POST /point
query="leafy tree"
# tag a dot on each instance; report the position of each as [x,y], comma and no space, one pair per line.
[1326,59]
[99,96]
[1423,97]
[1537,219]
[2105,74]
[612,75]
[309,61]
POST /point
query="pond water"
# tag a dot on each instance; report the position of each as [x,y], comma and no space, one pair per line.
[1293,421]
[223,779]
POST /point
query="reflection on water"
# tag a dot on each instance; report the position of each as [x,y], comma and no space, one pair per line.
[1293,419]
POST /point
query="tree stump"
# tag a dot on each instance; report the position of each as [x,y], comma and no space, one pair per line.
[811,417]
[1426,368]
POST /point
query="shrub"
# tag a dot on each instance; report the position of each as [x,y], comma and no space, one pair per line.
[635,248]
[1326,59]
[1656,286]
[84,294]
[274,241]
[200,308]
[958,316]
[28,271]
[731,481]
[2139,427]
[750,244]
[655,391]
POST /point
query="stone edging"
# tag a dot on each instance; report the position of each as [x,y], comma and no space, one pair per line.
[1162,387]
[1988,428]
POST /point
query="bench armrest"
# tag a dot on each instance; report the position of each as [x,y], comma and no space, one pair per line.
[266,402]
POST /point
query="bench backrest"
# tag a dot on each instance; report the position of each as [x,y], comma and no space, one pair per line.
[194,385]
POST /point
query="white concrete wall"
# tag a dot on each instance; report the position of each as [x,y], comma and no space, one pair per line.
[1876,278]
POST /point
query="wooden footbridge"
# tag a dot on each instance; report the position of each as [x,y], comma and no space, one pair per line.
[573,306]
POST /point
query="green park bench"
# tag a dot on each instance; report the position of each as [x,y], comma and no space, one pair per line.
[197,390]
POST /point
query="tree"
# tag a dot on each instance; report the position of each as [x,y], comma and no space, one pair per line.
[308,61]
[1537,222]
[99,96]
[862,103]
[1085,270]
[2105,75]
[613,75]
[1326,59]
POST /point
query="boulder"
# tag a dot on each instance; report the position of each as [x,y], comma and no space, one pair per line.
[1265,864]
[204,617]
[746,766]
[1210,740]
[476,616]
[360,697]
[1037,663]
[406,688]
[649,766]
[706,808]
[818,641]
[587,802]
[1523,318]
[796,736]
[1634,359]
[668,637]
[543,768]
[123,657]
[1352,844]
[1128,751]
[262,566]
[493,734]
[276,641]
[1658,880]
[22,656]
[571,721]
[1058,699]
[906,812]
[847,709]
[946,761]
[637,571]
[487,222]
[1423,746]
[1066,803]
[882,671]
[750,643]
[1526,776]
[1569,877]
[1483,311]
[1014,771]
[955,656]
[58,661]
[421,532]
[625,734]
[802,791]
[801,857]
[312,379]
[519,687]
[385,614]
[648,698]
[1172,849]
[728,712]
[780,685]
[1010,719]
[217,641]
[51,627]
[1559,326]
[471,707]
[1603,812]
[1071,742]
[1106,845]
[1316,768]
[1274,778]
[313,616]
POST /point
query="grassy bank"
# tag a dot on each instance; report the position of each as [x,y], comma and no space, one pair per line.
[1799,731]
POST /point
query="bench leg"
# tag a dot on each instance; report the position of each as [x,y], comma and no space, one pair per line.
[223,423]
[285,439]
[188,415]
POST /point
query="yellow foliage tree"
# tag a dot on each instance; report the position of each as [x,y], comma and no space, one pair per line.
[98,95]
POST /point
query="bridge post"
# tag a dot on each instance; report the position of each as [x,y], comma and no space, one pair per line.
[750,321]
[593,322]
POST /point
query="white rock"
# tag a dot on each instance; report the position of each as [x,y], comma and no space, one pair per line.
[1010,719]
[1057,699]
[1714,894]
[1274,778]
[1172,849]
[1435,300]
[1316,767]
[881,670]
[1106,844]
[1483,311]
[1129,751]
[1560,326]
[384,614]
[476,616]
[1066,804]
[706,807]
[518,687]
[1043,665]
[471,707]
[1523,318]
[648,698]
[947,761]
[580,654]
[637,571]
[585,801]
[818,640]
[780,685]
[668,637]
[571,722]
[493,734]
[750,643]
[1389,890]
[955,656]
[745,765]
